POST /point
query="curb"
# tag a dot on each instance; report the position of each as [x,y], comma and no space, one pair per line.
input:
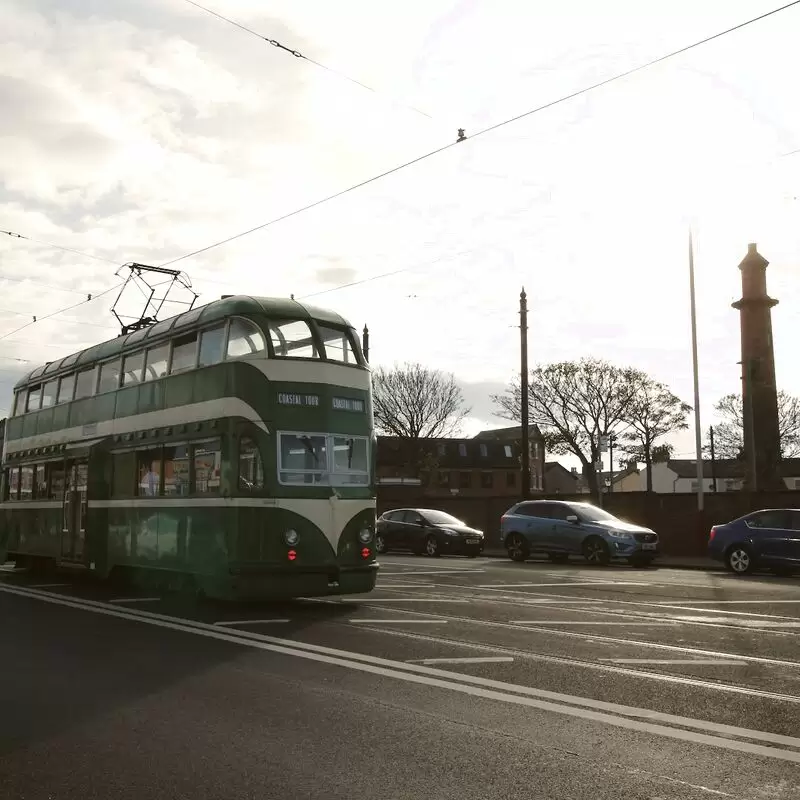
[658,563]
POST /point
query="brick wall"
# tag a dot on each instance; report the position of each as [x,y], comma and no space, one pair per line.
[682,529]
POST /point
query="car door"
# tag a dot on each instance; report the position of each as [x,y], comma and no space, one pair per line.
[534,520]
[770,533]
[390,529]
[564,536]
[414,530]
[793,541]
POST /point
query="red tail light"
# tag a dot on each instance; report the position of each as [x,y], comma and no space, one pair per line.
[366,552]
[291,555]
[712,534]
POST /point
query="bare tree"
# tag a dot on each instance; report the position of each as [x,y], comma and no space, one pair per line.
[729,434]
[574,403]
[653,413]
[413,402]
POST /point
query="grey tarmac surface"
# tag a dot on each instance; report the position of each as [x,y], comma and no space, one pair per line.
[456,678]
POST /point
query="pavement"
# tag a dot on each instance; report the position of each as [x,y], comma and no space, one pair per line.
[455,678]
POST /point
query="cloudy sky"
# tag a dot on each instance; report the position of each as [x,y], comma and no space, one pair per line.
[140,130]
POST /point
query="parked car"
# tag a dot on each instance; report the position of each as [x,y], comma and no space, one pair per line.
[425,530]
[767,538]
[561,529]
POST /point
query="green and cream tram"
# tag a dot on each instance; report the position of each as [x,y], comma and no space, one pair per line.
[232,445]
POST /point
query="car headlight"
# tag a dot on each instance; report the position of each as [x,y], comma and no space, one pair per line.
[291,537]
[621,535]
[365,535]
[449,532]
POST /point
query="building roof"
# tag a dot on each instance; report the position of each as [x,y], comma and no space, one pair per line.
[394,451]
[727,468]
[276,307]
[514,433]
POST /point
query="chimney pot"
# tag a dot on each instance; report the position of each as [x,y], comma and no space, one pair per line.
[752,247]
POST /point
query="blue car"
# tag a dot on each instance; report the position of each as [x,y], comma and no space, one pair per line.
[561,529]
[768,538]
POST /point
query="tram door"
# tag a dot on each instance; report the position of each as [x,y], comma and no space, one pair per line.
[73,532]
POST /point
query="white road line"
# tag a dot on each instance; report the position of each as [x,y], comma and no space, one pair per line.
[654,623]
[477,660]
[399,621]
[411,572]
[48,585]
[729,602]
[670,661]
[581,708]
[562,584]
[740,622]
[250,622]
[135,600]
[350,598]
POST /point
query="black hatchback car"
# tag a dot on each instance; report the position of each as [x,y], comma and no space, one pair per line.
[425,530]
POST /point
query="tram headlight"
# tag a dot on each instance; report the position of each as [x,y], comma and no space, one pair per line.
[291,537]
[365,535]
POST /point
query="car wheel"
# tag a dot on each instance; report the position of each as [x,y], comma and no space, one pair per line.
[432,546]
[517,547]
[595,551]
[558,558]
[739,560]
[380,543]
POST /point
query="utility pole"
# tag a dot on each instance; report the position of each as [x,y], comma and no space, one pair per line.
[365,344]
[524,425]
[698,432]
[713,462]
[611,440]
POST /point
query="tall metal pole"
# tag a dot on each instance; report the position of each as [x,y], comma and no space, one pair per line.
[365,344]
[524,424]
[698,433]
[610,463]
[713,461]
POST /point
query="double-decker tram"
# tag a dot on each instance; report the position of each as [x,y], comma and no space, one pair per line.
[231,446]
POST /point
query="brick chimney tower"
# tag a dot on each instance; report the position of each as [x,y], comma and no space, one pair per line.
[759,391]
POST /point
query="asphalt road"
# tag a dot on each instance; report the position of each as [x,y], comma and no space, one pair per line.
[456,678]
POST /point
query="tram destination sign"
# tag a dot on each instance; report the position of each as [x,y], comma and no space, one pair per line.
[348,404]
[289,399]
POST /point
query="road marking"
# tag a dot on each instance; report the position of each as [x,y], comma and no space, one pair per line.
[741,621]
[400,621]
[654,623]
[669,661]
[581,708]
[48,585]
[477,660]
[562,584]
[730,602]
[135,600]
[350,598]
[250,621]
[411,572]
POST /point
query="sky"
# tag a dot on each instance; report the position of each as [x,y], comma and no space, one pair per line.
[142,130]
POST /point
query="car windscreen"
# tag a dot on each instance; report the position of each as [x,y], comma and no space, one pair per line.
[593,514]
[440,518]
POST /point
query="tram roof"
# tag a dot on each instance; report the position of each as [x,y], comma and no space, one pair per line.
[234,305]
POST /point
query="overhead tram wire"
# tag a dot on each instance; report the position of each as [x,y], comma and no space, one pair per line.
[298,54]
[585,90]
[15,235]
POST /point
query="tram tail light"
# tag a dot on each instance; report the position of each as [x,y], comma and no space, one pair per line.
[291,555]
[365,552]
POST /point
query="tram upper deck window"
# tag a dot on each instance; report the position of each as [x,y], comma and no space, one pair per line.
[293,339]
[49,393]
[212,345]
[109,376]
[34,398]
[132,368]
[156,362]
[84,383]
[66,388]
[245,339]
[184,353]
[338,345]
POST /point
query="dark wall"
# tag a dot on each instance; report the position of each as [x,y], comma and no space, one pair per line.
[683,530]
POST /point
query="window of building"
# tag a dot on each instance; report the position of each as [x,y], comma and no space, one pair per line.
[184,353]
[156,360]
[507,450]
[13,483]
[176,470]
[511,479]
[50,393]
[109,376]
[84,383]
[34,398]
[40,482]
[212,346]
[124,474]
[132,368]
[245,339]
[462,449]
[292,339]
[56,480]
[303,458]
[26,482]
[442,449]
[350,461]
[465,480]
[338,346]
[207,466]
[148,469]
[251,466]
[484,451]
[443,480]
[487,480]
[66,388]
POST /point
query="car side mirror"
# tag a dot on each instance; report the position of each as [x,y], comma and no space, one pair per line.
[573,519]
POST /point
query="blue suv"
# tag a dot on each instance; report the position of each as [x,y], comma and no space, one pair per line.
[562,529]
[768,538]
